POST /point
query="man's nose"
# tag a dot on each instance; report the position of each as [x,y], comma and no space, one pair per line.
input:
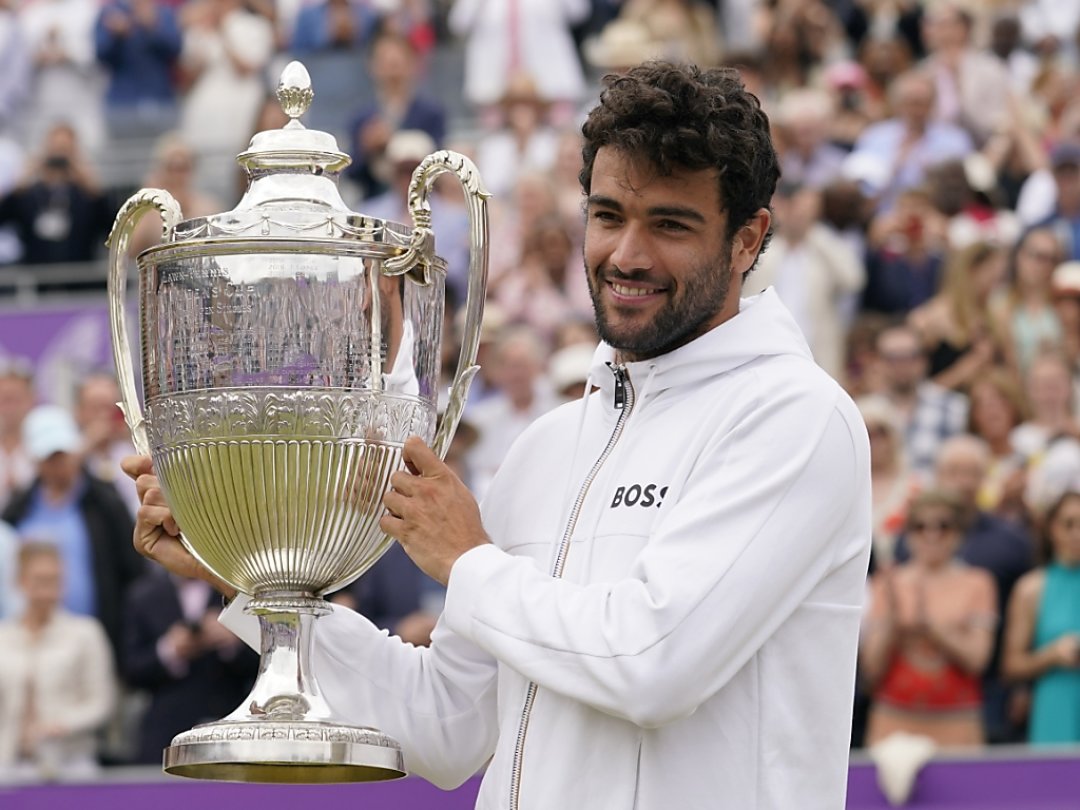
[632,249]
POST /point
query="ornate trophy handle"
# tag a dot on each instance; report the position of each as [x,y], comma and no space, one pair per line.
[418,258]
[126,221]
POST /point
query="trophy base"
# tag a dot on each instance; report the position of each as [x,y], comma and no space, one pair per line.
[284,752]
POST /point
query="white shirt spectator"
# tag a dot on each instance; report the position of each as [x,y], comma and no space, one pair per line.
[506,37]
[70,87]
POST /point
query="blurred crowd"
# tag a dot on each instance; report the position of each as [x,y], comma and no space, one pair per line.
[927,241]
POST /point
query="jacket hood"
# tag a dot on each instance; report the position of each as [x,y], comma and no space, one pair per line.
[764,327]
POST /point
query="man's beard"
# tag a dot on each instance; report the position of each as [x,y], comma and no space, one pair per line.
[701,293]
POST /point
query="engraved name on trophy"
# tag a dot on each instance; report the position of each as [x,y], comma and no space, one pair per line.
[289,347]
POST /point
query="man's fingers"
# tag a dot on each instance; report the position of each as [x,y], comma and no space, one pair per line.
[395,503]
[158,516]
[392,526]
[421,458]
[135,466]
[146,483]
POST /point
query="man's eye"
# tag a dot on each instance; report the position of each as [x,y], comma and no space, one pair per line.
[672,225]
[604,216]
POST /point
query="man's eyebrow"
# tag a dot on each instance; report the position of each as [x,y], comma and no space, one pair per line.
[602,201]
[676,211]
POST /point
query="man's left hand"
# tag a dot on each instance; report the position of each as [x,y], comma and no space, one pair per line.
[431,512]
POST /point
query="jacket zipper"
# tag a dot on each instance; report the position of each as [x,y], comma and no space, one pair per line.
[624,403]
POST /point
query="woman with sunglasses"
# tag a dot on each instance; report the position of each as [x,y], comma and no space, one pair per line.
[929,633]
[1042,634]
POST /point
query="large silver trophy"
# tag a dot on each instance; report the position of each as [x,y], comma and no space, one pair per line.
[289,347]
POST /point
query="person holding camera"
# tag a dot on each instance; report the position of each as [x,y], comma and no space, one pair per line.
[58,212]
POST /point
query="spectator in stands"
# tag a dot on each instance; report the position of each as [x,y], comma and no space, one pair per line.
[1050,439]
[522,396]
[682,30]
[413,19]
[524,141]
[1006,43]
[1065,219]
[16,400]
[929,633]
[174,170]
[533,201]
[965,191]
[1026,315]
[66,82]
[956,327]
[396,596]
[58,212]
[912,141]
[998,407]
[507,37]
[547,287]
[83,516]
[139,42]
[106,438]
[798,37]
[193,669]
[1050,393]
[807,156]
[333,24]
[928,413]
[906,252]
[814,271]
[973,86]
[892,481]
[406,149]
[846,82]
[989,542]
[226,48]
[57,685]
[398,105]
[883,60]
[1000,547]
[1042,635]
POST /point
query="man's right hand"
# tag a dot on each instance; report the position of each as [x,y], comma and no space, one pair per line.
[157,537]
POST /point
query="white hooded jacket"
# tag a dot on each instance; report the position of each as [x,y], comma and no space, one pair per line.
[696,647]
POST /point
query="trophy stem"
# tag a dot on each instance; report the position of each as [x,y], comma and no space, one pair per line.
[284,731]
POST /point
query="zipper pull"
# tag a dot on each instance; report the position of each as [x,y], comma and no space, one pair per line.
[620,385]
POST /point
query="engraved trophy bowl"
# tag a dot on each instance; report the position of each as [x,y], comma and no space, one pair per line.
[289,347]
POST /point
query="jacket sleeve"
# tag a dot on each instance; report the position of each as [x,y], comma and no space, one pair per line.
[438,702]
[758,525]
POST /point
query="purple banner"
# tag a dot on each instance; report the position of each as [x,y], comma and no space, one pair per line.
[1027,782]
[63,342]
[184,794]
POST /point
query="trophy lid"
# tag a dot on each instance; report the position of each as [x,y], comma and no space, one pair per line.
[293,147]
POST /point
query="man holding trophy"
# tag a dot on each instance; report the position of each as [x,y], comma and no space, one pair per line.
[658,605]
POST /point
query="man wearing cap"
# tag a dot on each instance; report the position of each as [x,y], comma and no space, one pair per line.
[82,515]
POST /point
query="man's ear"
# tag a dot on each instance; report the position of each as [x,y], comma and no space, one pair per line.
[748,241]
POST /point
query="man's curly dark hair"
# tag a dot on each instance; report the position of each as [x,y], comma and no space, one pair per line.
[682,117]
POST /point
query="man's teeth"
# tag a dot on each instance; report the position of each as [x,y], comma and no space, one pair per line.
[634,291]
